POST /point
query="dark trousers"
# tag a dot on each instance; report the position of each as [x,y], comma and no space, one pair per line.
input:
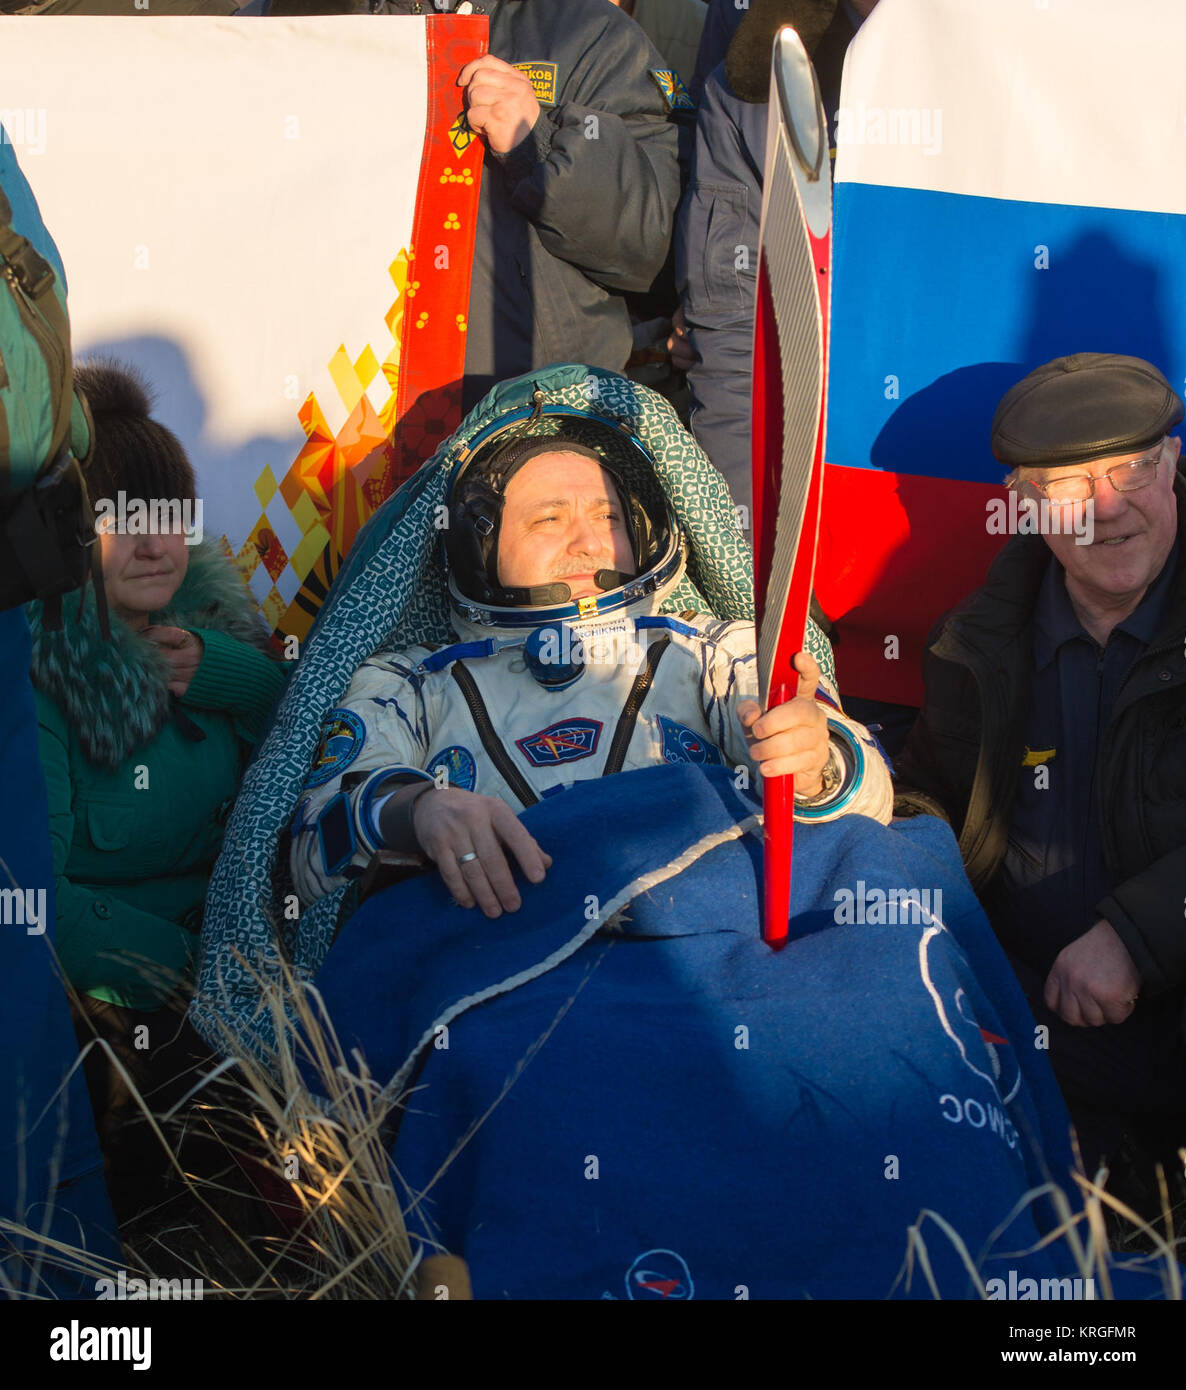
[1121,1079]
[211,1135]
[157,1056]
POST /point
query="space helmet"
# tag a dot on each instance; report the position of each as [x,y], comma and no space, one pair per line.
[476,499]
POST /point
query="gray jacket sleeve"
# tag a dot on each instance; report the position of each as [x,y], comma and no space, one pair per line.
[598,176]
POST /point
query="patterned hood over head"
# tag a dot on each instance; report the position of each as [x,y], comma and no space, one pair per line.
[389,594]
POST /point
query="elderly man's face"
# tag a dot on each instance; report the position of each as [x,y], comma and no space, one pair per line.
[562,521]
[1133,531]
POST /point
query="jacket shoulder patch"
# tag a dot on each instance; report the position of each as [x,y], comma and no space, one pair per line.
[675,94]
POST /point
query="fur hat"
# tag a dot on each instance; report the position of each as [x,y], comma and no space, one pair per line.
[747,64]
[133,453]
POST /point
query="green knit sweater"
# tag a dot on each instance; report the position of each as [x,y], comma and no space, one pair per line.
[139,782]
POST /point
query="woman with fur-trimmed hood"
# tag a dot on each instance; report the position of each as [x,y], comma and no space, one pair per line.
[144,739]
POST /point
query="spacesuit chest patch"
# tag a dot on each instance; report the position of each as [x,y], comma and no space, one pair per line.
[561,743]
[458,765]
[684,745]
[342,738]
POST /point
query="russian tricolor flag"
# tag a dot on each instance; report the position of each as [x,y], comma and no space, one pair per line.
[1010,187]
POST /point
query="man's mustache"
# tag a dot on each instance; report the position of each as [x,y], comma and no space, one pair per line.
[585,566]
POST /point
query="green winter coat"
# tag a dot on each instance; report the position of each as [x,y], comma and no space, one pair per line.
[140,783]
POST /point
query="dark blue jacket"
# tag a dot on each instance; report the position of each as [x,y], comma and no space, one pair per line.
[716,267]
[716,244]
[720,24]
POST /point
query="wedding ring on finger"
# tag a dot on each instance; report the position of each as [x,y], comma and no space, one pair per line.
[467,858]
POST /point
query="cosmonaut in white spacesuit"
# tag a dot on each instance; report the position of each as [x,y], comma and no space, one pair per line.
[564,670]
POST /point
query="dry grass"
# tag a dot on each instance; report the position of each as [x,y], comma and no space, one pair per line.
[1104,1227]
[321,1162]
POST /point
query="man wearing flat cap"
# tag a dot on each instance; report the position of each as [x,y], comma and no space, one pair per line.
[1053,737]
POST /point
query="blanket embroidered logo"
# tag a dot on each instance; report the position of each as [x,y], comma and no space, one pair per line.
[561,743]
[661,1274]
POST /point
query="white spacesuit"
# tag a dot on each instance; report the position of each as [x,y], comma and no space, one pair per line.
[513,711]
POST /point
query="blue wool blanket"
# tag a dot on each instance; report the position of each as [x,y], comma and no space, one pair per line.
[620,1092]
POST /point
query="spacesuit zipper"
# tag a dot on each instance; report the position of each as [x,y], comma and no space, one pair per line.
[498,755]
[629,716]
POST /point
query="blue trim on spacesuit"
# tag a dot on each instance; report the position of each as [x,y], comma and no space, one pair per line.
[852,784]
[460,651]
[538,617]
[670,624]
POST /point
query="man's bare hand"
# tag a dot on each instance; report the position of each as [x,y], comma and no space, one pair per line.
[183,651]
[793,737]
[1093,980]
[500,104]
[683,359]
[450,823]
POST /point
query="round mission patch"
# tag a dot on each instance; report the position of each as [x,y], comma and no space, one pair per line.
[342,739]
[461,770]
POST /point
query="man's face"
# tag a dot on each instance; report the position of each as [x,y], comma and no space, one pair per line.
[562,521]
[1133,531]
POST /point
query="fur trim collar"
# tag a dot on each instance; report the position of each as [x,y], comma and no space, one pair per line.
[114,694]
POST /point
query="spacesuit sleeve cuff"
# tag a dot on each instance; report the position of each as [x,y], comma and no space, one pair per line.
[372,792]
[842,776]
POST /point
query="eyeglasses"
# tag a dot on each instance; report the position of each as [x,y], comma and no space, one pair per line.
[1124,477]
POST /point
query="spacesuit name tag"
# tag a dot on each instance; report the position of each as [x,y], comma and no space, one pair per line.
[609,641]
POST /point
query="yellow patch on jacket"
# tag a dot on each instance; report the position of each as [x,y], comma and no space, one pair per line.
[542,77]
[1035,757]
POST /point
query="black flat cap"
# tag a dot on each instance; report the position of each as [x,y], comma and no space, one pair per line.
[1088,406]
